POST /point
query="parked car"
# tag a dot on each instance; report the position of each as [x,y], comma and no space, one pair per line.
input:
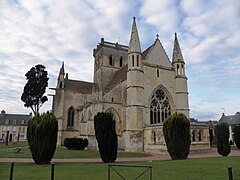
[1,140]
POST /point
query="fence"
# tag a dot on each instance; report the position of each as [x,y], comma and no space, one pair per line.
[112,167]
[148,168]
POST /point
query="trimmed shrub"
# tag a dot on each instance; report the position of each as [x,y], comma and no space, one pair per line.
[42,137]
[75,143]
[106,136]
[236,133]
[222,135]
[176,130]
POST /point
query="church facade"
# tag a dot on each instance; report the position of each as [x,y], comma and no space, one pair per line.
[139,88]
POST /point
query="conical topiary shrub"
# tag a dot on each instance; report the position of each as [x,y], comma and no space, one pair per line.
[42,137]
[236,134]
[222,134]
[106,136]
[176,130]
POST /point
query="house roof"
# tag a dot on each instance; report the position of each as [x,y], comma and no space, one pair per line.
[14,119]
[231,120]
[79,86]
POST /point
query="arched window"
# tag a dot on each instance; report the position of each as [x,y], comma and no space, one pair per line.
[160,107]
[110,60]
[132,60]
[157,72]
[200,136]
[70,117]
[182,69]
[121,62]
[193,136]
[137,60]
[178,69]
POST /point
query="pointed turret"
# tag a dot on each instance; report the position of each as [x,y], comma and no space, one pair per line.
[181,88]
[134,50]
[61,77]
[177,54]
[135,90]
[62,71]
[134,44]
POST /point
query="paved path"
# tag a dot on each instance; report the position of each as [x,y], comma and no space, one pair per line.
[212,153]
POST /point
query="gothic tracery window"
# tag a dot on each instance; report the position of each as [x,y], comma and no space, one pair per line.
[160,107]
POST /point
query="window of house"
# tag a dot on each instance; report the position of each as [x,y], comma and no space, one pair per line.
[7,121]
[160,107]
[70,121]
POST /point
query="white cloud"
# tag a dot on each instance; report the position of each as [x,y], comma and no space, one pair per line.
[49,32]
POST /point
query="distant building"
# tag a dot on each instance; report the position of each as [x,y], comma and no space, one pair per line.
[232,120]
[13,126]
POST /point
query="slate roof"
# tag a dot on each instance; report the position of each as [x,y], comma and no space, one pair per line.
[79,86]
[231,120]
[14,119]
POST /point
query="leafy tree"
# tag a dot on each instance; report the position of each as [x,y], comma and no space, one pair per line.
[176,130]
[236,133]
[35,88]
[42,137]
[222,135]
[106,136]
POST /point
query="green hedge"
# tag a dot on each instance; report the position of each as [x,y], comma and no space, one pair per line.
[75,143]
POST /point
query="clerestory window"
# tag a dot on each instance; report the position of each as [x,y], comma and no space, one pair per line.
[160,107]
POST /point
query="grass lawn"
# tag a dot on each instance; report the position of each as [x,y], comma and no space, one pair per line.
[8,151]
[196,169]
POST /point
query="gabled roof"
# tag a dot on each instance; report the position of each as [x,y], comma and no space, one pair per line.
[231,120]
[120,76]
[14,119]
[145,53]
[78,86]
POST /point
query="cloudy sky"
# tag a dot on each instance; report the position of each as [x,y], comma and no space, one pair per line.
[49,32]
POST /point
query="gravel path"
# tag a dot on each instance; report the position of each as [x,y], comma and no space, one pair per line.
[212,153]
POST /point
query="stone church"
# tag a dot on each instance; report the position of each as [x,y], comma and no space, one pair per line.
[139,88]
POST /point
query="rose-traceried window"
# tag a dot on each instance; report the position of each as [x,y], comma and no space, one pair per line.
[160,107]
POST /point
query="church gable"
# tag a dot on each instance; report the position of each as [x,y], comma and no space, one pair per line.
[156,55]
